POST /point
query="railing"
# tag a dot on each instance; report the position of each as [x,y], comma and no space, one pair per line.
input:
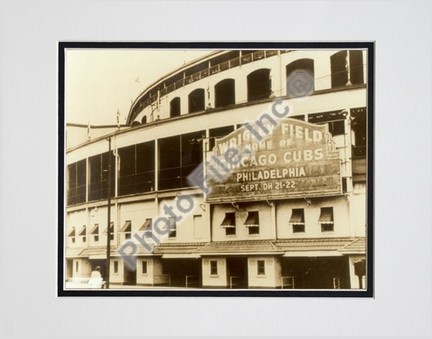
[231,281]
[159,279]
[223,66]
[288,282]
[191,280]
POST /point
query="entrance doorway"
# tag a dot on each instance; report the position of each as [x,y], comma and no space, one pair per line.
[317,272]
[183,272]
[129,275]
[237,273]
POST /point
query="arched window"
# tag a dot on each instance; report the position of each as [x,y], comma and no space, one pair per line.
[224,93]
[300,78]
[346,68]
[144,119]
[196,100]
[175,107]
[259,84]
[135,123]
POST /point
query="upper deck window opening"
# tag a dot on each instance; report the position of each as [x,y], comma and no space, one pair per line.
[225,93]
[175,107]
[259,84]
[196,100]
[300,75]
[144,120]
[346,68]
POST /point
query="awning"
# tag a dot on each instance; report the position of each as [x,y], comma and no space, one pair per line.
[72,233]
[252,220]
[240,247]
[297,217]
[308,254]
[147,225]
[181,256]
[83,231]
[95,229]
[229,221]
[127,226]
[111,228]
[326,216]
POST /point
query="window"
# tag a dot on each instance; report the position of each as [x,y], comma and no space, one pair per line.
[225,93]
[175,107]
[173,227]
[115,266]
[297,220]
[144,267]
[76,266]
[336,127]
[95,232]
[326,219]
[213,267]
[196,100]
[83,234]
[111,231]
[229,223]
[147,226]
[217,133]
[99,176]
[72,235]
[346,68]
[170,162]
[144,120]
[252,222]
[77,176]
[178,157]
[261,267]
[259,84]
[137,168]
[300,78]
[127,229]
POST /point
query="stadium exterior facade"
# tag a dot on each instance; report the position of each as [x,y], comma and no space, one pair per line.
[246,234]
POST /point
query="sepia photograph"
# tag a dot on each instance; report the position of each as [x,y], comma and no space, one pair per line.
[216,169]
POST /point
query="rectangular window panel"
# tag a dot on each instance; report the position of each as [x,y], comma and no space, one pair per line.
[173,227]
[76,185]
[356,67]
[191,154]
[144,267]
[99,176]
[297,220]
[217,133]
[252,222]
[260,267]
[115,266]
[229,223]
[337,127]
[326,219]
[213,267]
[127,170]
[169,163]
[145,167]
[339,75]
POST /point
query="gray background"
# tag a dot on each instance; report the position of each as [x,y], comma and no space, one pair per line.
[28,236]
